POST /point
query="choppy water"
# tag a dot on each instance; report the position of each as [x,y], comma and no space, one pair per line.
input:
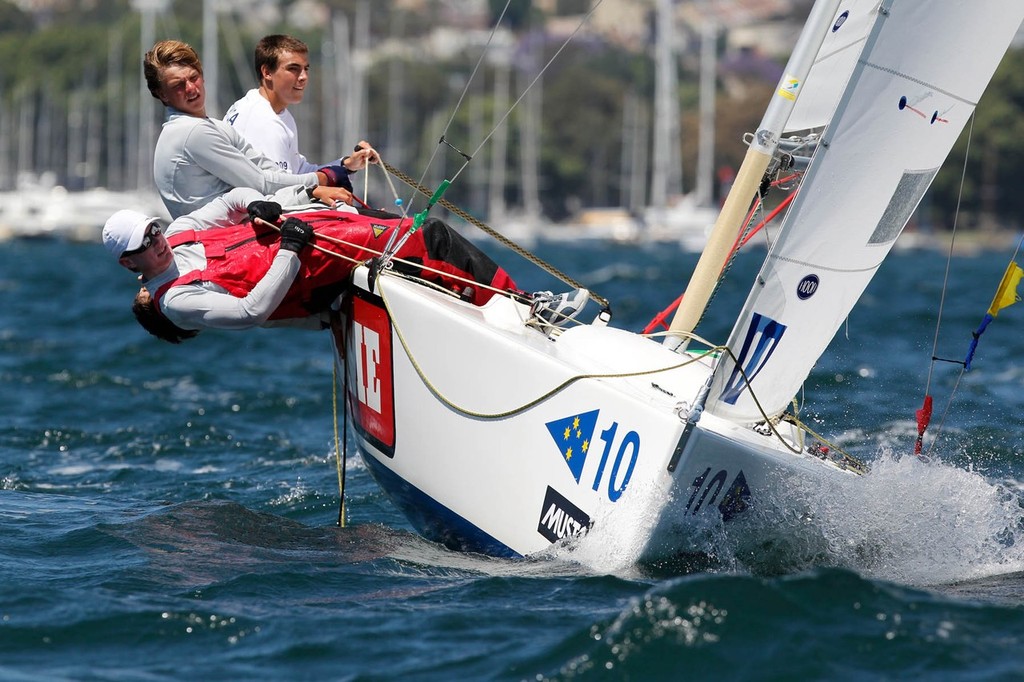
[169,512]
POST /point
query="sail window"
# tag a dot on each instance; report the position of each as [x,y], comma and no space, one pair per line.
[905,199]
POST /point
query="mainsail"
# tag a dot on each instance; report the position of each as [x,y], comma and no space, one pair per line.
[921,70]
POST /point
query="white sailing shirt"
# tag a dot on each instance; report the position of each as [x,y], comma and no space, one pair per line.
[270,133]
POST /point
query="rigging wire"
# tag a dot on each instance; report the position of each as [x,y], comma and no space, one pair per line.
[340,442]
[924,414]
[462,97]
[487,46]
[540,74]
[949,257]
[494,234]
[370,253]
[744,235]
[437,196]
[1005,295]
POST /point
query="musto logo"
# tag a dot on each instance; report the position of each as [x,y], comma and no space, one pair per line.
[560,518]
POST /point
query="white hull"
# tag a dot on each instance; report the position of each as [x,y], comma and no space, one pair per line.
[501,485]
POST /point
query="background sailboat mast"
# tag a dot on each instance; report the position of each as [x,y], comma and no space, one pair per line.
[634,151]
[703,189]
[211,57]
[148,10]
[497,210]
[115,110]
[530,114]
[666,169]
[395,151]
[335,112]
[748,179]
[354,90]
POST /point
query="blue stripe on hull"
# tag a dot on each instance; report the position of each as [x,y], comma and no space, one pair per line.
[432,519]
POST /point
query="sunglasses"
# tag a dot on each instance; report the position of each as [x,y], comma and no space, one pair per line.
[152,232]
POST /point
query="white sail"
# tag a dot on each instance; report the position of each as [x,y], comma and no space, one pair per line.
[923,68]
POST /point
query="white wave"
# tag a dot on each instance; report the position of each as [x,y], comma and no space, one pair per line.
[924,523]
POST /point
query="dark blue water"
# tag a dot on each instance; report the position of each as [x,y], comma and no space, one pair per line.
[169,513]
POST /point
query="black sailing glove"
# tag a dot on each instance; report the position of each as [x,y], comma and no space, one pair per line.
[295,234]
[269,211]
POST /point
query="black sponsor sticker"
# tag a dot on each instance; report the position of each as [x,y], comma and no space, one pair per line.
[560,518]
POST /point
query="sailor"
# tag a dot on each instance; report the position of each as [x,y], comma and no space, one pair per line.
[223,267]
[261,117]
[198,158]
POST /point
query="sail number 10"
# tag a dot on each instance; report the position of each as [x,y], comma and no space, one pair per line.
[628,452]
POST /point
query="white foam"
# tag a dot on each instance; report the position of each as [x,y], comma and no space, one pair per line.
[923,523]
[906,521]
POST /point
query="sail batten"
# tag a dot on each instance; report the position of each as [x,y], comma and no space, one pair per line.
[909,94]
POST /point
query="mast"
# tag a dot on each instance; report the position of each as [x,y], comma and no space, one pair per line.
[336,109]
[27,132]
[7,135]
[634,152]
[748,179]
[352,56]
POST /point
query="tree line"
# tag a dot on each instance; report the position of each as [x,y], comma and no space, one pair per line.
[71,104]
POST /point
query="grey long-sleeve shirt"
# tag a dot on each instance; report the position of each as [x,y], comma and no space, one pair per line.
[199,159]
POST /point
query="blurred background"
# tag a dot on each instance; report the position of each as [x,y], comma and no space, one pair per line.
[635,129]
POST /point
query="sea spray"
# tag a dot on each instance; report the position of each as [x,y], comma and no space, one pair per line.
[924,523]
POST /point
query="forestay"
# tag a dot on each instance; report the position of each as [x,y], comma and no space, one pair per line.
[923,67]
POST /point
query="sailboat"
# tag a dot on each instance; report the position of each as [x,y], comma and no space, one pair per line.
[496,435]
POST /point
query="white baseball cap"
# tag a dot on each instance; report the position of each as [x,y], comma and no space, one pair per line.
[124,231]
